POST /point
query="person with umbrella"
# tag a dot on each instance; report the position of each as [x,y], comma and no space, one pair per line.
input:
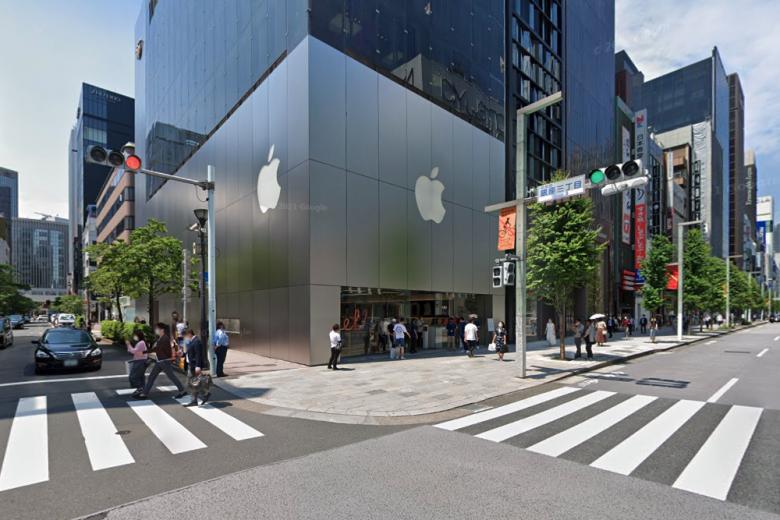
[601,328]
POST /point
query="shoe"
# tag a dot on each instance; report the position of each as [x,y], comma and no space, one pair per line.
[335,368]
[330,367]
[194,402]
[139,397]
[205,398]
[180,395]
[222,375]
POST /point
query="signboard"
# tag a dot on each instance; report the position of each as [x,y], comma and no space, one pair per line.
[672,277]
[761,231]
[559,190]
[629,279]
[507,224]
[626,218]
[640,227]
[626,144]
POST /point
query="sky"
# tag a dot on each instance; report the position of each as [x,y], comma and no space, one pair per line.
[49,47]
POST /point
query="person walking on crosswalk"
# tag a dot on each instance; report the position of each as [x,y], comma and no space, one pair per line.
[197,359]
[164,363]
[137,347]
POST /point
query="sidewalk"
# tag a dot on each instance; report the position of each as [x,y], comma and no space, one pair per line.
[380,391]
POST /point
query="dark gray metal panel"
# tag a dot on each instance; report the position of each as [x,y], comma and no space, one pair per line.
[217,156]
[418,137]
[231,250]
[260,131]
[327,104]
[443,247]
[462,260]
[481,253]
[298,351]
[298,221]
[441,149]
[418,247]
[392,236]
[362,119]
[246,177]
[278,247]
[461,190]
[245,248]
[328,195]
[279,322]
[277,115]
[298,104]
[261,246]
[362,231]
[261,323]
[497,188]
[392,132]
[229,133]
[481,169]
[324,311]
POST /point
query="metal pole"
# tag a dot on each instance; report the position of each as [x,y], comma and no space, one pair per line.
[520,227]
[203,277]
[680,271]
[728,292]
[212,278]
[185,270]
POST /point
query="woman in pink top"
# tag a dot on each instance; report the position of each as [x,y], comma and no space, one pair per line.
[138,365]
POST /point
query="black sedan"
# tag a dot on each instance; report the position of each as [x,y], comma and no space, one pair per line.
[17,321]
[65,349]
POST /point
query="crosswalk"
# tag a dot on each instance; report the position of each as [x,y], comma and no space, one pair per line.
[26,458]
[704,444]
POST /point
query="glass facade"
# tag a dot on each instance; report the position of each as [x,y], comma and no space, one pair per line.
[39,252]
[9,193]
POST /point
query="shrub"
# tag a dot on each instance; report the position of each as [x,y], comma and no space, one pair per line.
[112,329]
[130,328]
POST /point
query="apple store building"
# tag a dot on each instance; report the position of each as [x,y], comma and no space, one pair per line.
[354,155]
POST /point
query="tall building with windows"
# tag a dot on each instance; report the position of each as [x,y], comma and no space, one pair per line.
[39,251]
[9,193]
[738,197]
[355,146]
[102,118]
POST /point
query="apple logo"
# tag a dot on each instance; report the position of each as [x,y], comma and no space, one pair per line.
[268,188]
[427,192]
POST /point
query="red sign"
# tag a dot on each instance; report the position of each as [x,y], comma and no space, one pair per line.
[640,232]
[672,277]
[507,220]
[629,280]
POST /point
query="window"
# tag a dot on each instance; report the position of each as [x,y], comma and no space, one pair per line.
[515,56]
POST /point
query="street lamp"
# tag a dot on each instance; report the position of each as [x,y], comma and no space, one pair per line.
[728,287]
[680,270]
[202,216]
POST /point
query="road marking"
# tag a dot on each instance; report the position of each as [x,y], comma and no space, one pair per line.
[62,380]
[712,469]
[26,458]
[568,439]
[176,437]
[105,448]
[629,454]
[725,388]
[167,388]
[125,391]
[710,342]
[777,338]
[761,354]
[476,418]
[227,423]
[516,428]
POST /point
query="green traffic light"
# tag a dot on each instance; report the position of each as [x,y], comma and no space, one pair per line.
[597,177]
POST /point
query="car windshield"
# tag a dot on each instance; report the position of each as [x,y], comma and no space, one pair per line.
[15,317]
[67,336]
[66,316]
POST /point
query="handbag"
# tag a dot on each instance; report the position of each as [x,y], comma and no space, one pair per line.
[492,347]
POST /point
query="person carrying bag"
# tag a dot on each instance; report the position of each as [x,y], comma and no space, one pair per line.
[199,380]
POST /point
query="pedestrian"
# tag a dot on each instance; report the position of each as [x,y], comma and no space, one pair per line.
[462,333]
[137,347]
[451,329]
[550,332]
[414,334]
[400,334]
[653,328]
[390,338]
[166,356]
[610,325]
[381,331]
[643,324]
[624,325]
[578,330]
[499,340]
[601,331]
[197,359]
[590,337]
[335,346]
[471,337]
[221,344]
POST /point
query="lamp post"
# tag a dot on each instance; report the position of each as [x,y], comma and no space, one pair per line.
[728,288]
[202,215]
[680,275]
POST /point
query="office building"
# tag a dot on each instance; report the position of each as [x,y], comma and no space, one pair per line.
[39,255]
[751,198]
[737,181]
[354,151]
[5,240]
[103,118]
[9,193]
[116,207]
[765,211]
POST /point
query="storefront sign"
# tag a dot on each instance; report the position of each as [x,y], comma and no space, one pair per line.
[626,219]
[640,227]
[507,222]
[629,279]
[561,189]
[672,277]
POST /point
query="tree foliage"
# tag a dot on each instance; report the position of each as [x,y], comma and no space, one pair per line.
[68,304]
[654,272]
[113,276]
[563,253]
[12,301]
[703,275]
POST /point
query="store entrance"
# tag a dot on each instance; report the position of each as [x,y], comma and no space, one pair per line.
[366,313]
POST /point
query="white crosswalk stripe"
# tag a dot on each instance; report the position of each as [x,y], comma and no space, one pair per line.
[638,437]
[26,457]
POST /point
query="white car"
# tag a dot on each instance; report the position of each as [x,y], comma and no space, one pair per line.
[66,320]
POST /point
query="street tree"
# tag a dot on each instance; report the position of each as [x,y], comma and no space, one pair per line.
[655,274]
[12,301]
[704,275]
[111,279]
[563,253]
[69,304]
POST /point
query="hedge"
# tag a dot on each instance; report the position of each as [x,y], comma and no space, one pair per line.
[117,331]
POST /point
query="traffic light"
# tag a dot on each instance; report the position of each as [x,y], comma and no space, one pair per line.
[509,273]
[126,158]
[617,178]
[498,276]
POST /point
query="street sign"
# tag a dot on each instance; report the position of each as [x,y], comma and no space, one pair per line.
[559,190]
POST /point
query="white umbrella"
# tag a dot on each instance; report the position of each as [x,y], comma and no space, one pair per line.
[597,316]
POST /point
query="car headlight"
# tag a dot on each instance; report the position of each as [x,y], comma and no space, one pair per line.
[42,354]
[95,352]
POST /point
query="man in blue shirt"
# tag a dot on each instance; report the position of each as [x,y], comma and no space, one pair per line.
[221,344]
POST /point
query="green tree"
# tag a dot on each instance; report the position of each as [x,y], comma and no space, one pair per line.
[704,275]
[111,279]
[69,304]
[12,301]
[562,253]
[654,272]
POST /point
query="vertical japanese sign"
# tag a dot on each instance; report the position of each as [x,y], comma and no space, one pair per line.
[507,222]
[626,213]
[641,195]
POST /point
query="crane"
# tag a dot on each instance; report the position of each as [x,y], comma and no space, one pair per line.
[46,216]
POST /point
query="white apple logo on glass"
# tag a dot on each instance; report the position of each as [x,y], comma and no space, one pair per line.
[427,192]
[268,188]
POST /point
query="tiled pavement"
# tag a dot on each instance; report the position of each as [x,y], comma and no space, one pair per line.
[375,391]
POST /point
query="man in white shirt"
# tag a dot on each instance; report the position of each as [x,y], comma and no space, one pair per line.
[471,337]
[400,333]
[335,346]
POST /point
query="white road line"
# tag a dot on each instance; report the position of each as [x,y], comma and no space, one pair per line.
[777,338]
[710,342]
[168,388]
[712,469]
[176,437]
[105,448]
[125,391]
[725,388]
[761,354]
[61,380]
[26,458]
[629,454]
[568,439]
[516,428]
[487,415]
[227,423]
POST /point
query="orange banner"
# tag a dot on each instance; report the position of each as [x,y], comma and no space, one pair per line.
[507,220]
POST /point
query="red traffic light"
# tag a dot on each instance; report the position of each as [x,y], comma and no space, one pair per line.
[133,163]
